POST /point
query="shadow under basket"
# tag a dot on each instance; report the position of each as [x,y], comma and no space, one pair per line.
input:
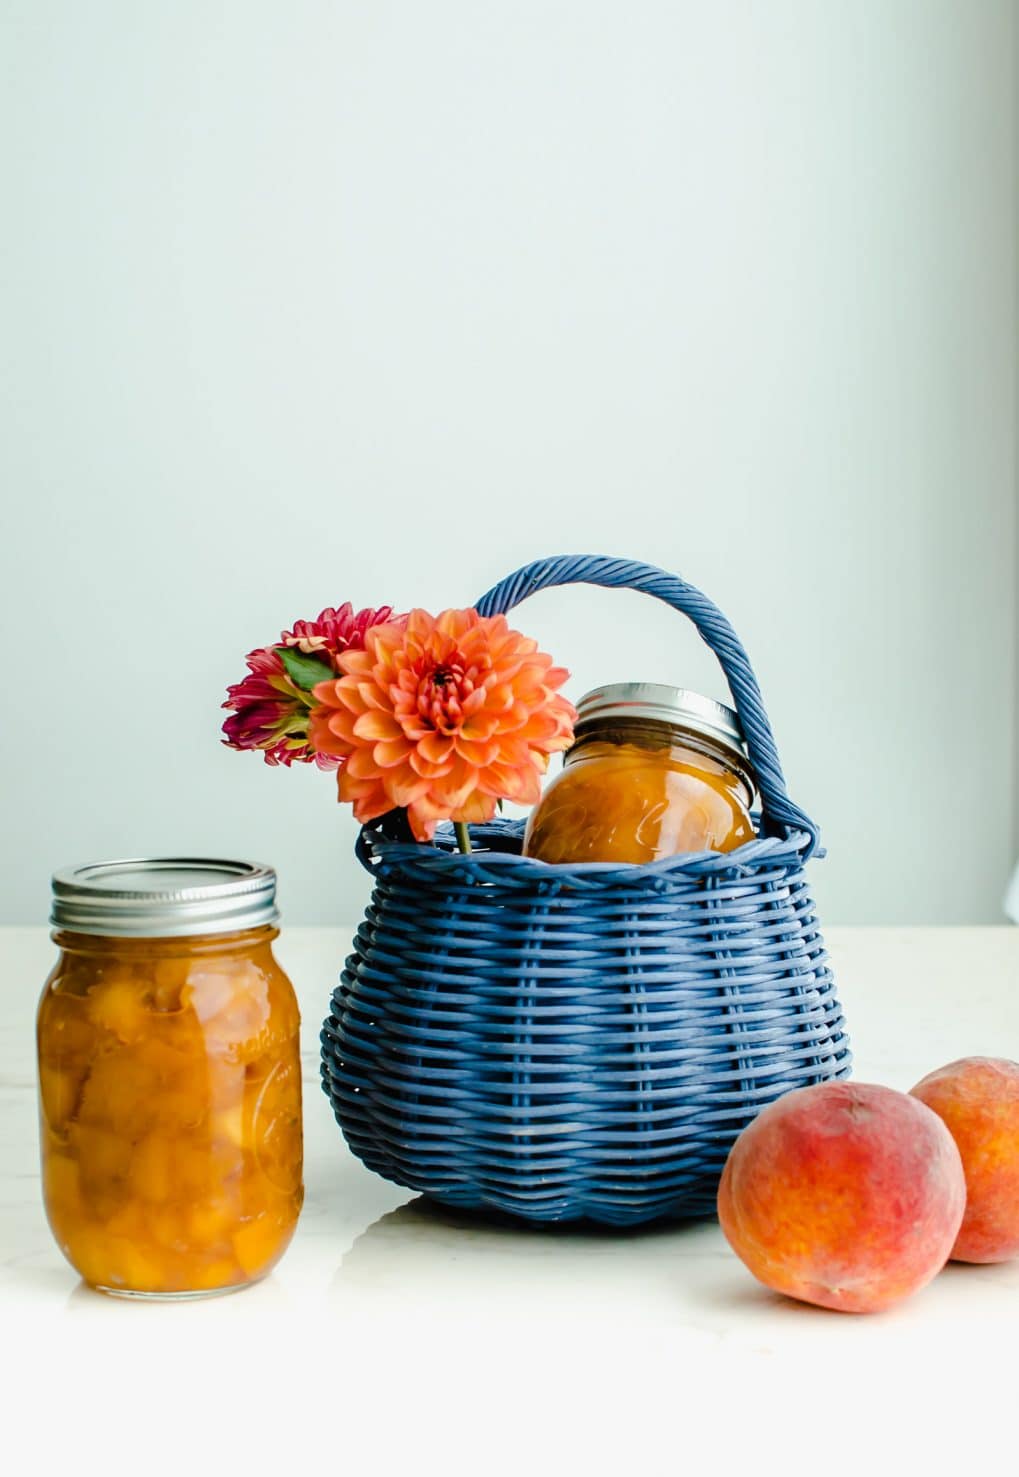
[583,1042]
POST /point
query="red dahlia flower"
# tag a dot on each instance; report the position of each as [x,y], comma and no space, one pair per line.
[336,631]
[272,703]
[270,713]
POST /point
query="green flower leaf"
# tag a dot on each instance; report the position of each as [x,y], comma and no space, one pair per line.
[302,669]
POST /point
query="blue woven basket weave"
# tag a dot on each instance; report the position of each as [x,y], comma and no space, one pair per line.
[583,1042]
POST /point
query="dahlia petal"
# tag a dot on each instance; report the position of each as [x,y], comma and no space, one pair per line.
[510,673]
[425,769]
[361,765]
[538,726]
[423,826]
[432,807]
[348,695]
[420,626]
[370,807]
[387,646]
[496,630]
[349,788]
[511,646]
[476,700]
[389,632]
[475,753]
[333,724]
[562,740]
[476,809]
[452,789]
[514,752]
[368,799]
[451,623]
[406,789]
[499,698]
[324,692]
[370,696]
[388,752]
[264,659]
[341,694]
[343,725]
[435,747]
[377,725]
[521,785]
[353,663]
[480,726]
[324,737]
[515,717]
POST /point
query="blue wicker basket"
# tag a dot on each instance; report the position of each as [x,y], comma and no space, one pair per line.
[583,1042]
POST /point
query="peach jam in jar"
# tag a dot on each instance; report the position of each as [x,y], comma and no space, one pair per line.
[653,771]
[169,1078]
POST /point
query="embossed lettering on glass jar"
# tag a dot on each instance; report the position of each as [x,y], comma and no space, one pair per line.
[169,1077]
[653,771]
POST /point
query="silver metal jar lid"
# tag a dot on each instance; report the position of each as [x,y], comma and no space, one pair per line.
[661,704]
[164,897]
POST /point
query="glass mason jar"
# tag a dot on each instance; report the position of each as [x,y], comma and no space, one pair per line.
[653,771]
[169,1078]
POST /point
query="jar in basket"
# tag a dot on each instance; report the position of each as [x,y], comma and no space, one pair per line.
[653,771]
[169,1078]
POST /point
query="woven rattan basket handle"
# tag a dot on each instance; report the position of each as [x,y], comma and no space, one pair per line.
[778,812]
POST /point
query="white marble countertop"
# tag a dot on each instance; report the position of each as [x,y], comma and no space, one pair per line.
[392,1332]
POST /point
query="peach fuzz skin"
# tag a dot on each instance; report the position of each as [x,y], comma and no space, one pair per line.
[845,1195]
[978,1100]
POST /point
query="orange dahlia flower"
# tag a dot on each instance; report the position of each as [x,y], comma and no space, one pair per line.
[445,715]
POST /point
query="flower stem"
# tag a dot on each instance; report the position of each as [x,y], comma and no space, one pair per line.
[463,839]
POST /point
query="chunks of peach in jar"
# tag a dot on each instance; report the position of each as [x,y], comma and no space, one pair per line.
[273,1124]
[259,1244]
[67,1044]
[243,1011]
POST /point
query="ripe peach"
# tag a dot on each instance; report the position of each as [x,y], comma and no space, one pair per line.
[978,1099]
[845,1194]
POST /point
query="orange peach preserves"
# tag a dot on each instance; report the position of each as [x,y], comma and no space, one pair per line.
[640,784]
[170,1083]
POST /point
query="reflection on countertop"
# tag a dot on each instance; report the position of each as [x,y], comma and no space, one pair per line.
[435,1254]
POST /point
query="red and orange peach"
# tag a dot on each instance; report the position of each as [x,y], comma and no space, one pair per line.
[844,1194]
[978,1100]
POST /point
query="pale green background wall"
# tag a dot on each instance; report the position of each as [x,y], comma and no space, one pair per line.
[310,301]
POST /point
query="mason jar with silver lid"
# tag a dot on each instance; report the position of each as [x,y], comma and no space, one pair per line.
[169,1077]
[654,771]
